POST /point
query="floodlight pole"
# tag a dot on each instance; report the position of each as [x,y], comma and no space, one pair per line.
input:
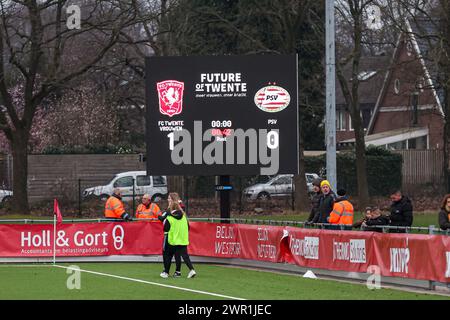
[330,121]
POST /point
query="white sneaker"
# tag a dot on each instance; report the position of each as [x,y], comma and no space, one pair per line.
[164,275]
[191,273]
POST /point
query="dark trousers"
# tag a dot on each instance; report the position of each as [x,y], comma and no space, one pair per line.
[179,252]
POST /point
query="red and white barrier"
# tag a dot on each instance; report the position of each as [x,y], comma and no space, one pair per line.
[422,257]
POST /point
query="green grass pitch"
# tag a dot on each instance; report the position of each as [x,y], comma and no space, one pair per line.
[48,282]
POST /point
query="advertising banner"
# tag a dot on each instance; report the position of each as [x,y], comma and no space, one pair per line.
[81,239]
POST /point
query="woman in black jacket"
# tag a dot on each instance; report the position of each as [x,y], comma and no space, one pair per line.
[444,214]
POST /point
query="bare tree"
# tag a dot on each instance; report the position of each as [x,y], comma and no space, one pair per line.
[352,14]
[38,50]
[198,27]
[428,22]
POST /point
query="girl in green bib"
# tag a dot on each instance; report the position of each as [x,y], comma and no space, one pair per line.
[176,237]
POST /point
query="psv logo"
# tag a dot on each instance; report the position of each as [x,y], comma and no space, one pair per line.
[272,99]
[170,93]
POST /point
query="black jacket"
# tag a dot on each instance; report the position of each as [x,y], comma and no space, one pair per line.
[326,204]
[402,212]
[315,204]
[444,221]
[177,214]
[380,221]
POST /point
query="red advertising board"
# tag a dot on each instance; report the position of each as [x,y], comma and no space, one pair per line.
[423,257]
[81,239]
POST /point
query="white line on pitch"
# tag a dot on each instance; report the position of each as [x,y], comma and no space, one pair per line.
[152,283]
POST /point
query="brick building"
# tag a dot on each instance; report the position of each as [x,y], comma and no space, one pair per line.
[408,111]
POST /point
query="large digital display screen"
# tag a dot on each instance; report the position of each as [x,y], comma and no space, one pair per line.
[222,115]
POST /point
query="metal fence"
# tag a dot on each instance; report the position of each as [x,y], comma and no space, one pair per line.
[422,169]
[63,176]
[301,224]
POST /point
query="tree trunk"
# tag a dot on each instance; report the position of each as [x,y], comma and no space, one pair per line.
[446,108]
[20,171]
[360,145]
[446,156]
[302,202]
[361,162]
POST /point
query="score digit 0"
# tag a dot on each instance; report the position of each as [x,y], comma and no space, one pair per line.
[272,140]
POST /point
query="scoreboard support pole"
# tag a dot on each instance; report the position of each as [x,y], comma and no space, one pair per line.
[224,199]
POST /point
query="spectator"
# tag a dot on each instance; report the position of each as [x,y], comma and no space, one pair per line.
[444,214]
[114,208]
[367,215]
[176,237]
[377,218]
[147,209]
[401,211]
[315,201]
[325,204]
[342,213]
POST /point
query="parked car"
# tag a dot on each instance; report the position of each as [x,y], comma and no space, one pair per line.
[155,186]
[279,186]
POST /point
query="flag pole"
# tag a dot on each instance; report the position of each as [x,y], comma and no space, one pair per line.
[54,238]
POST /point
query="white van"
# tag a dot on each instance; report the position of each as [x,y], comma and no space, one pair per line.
[155,186]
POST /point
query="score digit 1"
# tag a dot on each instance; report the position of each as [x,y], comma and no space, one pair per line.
[171,140]
[272,139]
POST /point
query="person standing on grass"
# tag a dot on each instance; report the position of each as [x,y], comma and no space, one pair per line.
[147,209]
[315,201]
[114,208]
[444,214]
[326,203]
[176,238]
[343,211]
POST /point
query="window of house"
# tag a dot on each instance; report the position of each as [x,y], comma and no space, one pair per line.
[415,108]
[350,122]
[397,86]
[340,120]
[420,83]
[419,143]
[409,48]
[399,145]
[366,75]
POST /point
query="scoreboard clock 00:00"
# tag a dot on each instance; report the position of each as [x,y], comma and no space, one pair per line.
[222,115]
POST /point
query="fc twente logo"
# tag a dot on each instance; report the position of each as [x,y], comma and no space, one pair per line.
[170,94]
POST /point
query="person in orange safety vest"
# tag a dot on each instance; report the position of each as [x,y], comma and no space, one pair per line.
[342,213]
[114,208]
[147,209]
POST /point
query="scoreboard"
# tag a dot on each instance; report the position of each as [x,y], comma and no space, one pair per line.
[222,115]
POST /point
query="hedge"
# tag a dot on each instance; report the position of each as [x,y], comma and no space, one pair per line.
[384,170]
